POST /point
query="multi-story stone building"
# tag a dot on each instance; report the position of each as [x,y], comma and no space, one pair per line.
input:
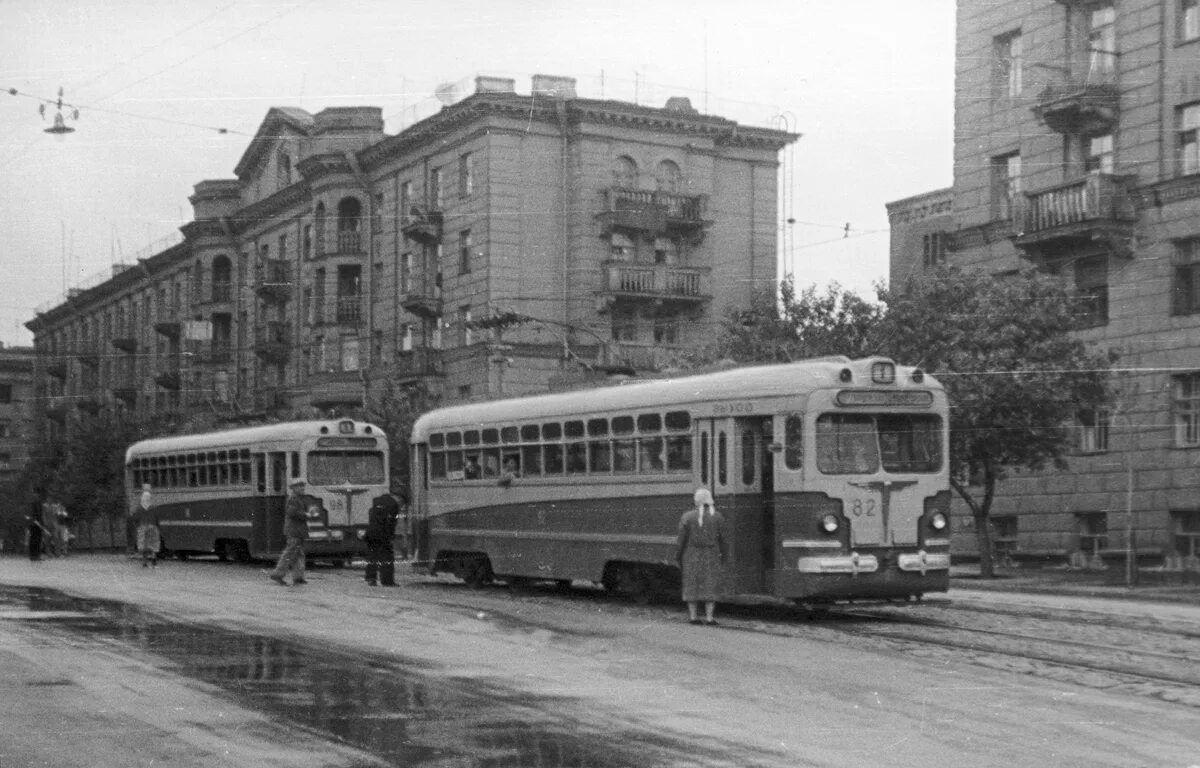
[601,233]
[16,432]
[1077,150]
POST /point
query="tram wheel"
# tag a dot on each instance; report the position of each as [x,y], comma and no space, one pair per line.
[181,555]
[476,572]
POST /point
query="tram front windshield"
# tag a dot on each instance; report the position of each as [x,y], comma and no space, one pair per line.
[861,444]
[346,467]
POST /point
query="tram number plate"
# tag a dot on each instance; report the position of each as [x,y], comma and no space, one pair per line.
[861,506]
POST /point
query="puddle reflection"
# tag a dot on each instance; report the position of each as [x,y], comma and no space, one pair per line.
[395,709]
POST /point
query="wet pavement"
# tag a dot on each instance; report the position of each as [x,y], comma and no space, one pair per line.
[399,710]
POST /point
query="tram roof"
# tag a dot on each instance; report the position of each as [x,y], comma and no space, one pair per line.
[735,383]
[241,436]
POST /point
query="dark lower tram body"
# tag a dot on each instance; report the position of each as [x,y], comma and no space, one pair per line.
[778,545]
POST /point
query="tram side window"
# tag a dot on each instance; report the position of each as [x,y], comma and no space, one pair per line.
[704,457]
[679,453]
[722,459]
[437,465]
[650,461]
[749,454]
[553,451]
[793,451]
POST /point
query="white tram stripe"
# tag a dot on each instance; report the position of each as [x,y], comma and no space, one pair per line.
[199,523]
[624,538]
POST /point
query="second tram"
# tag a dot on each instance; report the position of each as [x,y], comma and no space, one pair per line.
[832,475]
[223,492]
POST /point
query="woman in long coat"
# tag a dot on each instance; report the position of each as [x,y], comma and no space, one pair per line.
[702,551]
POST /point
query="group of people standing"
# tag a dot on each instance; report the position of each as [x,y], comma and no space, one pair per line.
[47,529]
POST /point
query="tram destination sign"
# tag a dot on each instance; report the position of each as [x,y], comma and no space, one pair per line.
[879,398]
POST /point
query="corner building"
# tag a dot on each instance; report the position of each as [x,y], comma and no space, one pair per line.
[507,243]
[1077,150]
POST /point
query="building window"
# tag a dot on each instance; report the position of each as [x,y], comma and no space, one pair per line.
[1102,44]
[1094,428]
[435,189]
[464,252]
[1186,408]
[1186,288]
[667,178]
[1006,186]
[666,328]
[5,429]
[406,198]
[5,462]
[621,248]
[1189,19]
[466,175]
[465,334]
[1091,290]
[1006,71]
[284,168]
[308,241]
[1099,156]
[1185,526]
[624,324]
[1189,139]
[933,249]
[6,393]
[377,204]
[349,351]
[625,173]
[666,251]
[1093,532]
[406,338]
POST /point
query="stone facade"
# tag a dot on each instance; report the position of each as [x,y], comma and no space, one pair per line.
[17,403]
[1077,128]
[607,235]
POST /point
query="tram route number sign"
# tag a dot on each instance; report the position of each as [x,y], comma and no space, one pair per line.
[860,506]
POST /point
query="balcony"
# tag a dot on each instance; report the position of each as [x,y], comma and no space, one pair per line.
[89,404]
[418,363]
[125,394]
[331,389]
[271,341]
[653,212]
[273,281]
[349,242]
[168,379]
[638,357]
[423,299]
[1097,208]
[57,408]
[349,310]
[125,343]
[424,227]
[656,282]
[219,293]
[57,367]
[168,323]
[88,354]
[1083,103]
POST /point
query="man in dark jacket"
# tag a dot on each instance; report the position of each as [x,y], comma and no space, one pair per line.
[295,530]
[381,528]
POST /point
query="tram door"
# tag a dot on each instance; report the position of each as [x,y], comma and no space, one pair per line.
[737,465]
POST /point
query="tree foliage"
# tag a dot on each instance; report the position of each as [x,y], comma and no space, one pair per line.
[394,410]
[795,326]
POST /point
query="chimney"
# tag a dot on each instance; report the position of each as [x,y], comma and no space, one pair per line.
[487,84]
[554,86]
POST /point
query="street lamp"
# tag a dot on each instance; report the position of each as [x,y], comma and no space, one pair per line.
[60,129]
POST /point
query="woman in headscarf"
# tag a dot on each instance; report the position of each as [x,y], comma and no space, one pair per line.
[701,551]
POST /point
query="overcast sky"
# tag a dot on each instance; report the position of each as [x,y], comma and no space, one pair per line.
[868,83]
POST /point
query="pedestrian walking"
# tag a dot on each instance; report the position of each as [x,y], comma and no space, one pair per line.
[381,530]
[295,531]
[148,537]
[702,551]
[33,531]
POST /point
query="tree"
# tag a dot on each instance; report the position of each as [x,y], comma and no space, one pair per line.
[1013,371]
[790,326]
[395,410]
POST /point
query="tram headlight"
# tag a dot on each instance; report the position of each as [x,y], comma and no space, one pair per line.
[829,523]
[938,521]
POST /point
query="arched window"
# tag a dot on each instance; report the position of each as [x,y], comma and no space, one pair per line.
[625,172]
[349,225]
[667,177]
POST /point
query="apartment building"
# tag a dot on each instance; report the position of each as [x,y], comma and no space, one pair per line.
[16,432]
[1077,150]
[505,243]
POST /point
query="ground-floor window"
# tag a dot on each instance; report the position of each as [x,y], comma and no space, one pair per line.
[1004,535]
[1185,527]
[1093,531]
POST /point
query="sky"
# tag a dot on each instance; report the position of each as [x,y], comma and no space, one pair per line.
[169,93]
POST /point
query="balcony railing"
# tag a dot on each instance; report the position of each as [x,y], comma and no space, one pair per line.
[423,299]
[424,227]
[57,367]
[167,324]
[651,211]
[349,310]
[418,362]
[657,281]
[1081,95]
[217,352]
[640,357]
[272,280]
[125,341]
[349,241]
[1098,207]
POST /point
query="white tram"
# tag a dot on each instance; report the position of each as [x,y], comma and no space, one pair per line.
[832,475]
[224,492]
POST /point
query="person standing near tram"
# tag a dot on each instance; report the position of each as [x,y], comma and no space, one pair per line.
[381,530]
[702,551]
[295,531]
[148,539]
